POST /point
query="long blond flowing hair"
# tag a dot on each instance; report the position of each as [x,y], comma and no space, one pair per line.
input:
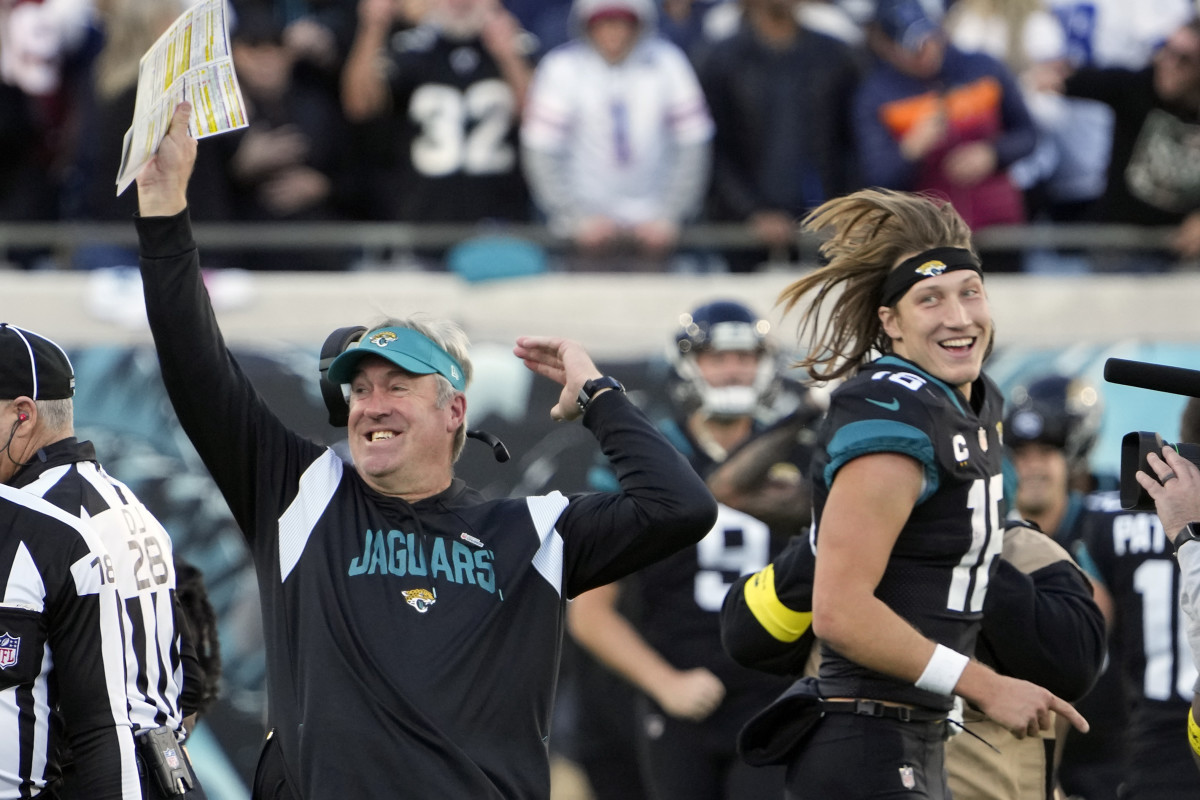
[869,231]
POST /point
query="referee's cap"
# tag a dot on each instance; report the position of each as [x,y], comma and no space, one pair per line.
[33,366]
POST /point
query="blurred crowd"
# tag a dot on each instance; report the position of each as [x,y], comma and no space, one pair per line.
[619,123]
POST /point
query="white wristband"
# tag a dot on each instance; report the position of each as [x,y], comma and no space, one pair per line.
[942,672]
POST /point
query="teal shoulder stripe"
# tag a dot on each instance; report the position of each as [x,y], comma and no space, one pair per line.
[908,366]
[883,436]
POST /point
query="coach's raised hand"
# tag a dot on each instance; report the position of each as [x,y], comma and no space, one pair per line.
[162,183]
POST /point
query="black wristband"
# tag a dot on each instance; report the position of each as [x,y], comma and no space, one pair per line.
[1188,533]
[592,387]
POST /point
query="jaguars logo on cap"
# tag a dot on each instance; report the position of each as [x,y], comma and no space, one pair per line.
[383,338]
[931,269]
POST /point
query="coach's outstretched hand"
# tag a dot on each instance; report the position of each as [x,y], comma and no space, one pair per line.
[162,183]
[563,361]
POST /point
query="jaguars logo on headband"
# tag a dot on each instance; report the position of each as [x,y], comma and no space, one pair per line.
[931,269]
[383,338]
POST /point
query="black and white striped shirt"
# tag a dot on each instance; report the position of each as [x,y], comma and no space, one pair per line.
[60,648]
[67,474]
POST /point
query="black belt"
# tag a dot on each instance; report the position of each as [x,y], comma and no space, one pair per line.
[874,708]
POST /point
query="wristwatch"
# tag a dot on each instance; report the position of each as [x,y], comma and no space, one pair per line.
[593,387]
[1188,533]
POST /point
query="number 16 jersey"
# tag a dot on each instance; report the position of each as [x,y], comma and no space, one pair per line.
[938,571]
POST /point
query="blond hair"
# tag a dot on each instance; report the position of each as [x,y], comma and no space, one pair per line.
[870,231]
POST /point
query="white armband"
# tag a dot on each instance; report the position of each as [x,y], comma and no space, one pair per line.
[942,672]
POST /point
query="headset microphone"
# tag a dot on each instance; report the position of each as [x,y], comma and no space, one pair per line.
[498,448]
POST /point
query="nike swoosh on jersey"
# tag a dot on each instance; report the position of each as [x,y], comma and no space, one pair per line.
[892,406]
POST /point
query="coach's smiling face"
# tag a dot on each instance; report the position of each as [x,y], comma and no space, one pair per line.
[401,438]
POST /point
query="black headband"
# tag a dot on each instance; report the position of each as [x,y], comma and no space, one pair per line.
[926,265]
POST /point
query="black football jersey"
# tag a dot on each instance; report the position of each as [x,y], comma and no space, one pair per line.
[457,122]
[679,598]
[1129,552]
[938,572]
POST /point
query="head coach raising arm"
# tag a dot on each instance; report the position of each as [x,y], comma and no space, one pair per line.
[412,627]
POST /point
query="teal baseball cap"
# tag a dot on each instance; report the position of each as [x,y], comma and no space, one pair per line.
[406,348]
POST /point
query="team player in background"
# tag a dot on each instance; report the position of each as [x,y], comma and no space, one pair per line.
[43,458]
[1052,424]
[660,628]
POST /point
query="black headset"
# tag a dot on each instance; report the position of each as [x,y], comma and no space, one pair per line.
[337,403]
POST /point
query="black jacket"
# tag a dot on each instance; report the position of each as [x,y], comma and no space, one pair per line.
[412,649]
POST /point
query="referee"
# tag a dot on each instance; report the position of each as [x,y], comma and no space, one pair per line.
[60,651]
[43,458]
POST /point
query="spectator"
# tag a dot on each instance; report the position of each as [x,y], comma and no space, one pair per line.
[689,24]
[45,50]
[667,641]
[837,18]
[1115,33]
[1152,177]
[412,583]
[129,28]
[445,98]
[929,117]
[62,652]
[548,21]
[1064,175]
[292,162]
[43,457]
[616,138]
[780,101]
